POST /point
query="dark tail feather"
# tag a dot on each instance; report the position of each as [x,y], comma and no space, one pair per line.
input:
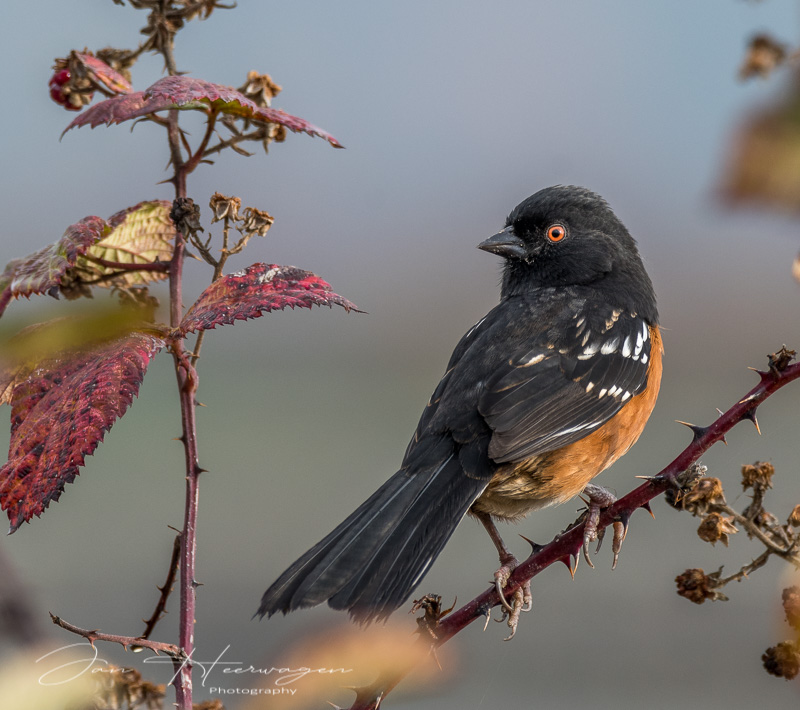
[371,563]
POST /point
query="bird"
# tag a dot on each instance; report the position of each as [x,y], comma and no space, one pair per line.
[546,391]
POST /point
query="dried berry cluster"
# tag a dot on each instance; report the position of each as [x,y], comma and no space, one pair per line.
[705,498]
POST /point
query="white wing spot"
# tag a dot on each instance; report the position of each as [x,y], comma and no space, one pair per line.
[533,360]
[644,358]
[627,348]
[589,352]
[580,427]
[589,387]
[626,396]
[602,393]
[610,346]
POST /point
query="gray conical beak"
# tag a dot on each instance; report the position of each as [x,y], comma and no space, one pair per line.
[506,244]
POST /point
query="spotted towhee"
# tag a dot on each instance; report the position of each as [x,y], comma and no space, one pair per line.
[541,395]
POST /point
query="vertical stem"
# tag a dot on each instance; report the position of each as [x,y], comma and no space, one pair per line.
[187,386]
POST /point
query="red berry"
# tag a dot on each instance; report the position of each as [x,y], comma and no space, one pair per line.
[60,78]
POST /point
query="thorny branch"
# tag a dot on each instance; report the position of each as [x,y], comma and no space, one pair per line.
[125,641]
[165,590]
[566,546]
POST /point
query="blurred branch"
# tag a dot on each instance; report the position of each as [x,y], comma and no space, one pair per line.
[17,617]
[566,546]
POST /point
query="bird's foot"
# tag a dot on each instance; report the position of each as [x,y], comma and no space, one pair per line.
[599,498]
[522,599]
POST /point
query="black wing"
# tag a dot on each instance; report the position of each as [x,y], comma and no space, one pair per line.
[554,393]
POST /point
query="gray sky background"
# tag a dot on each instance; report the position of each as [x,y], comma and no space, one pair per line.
[452,112]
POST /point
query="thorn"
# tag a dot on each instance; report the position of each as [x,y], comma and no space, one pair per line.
[719,411]
[568,562]
[625,519]
[751,415]
[535,547]
[697,431]
[765,376]
[647,507]
[488,616]
[724,440]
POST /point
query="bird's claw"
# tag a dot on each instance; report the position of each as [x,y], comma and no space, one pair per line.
[522,599]
[600,498]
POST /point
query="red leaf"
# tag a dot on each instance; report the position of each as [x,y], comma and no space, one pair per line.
[42,271]
[60,413]
[258,289]
[103,75]
[183,92]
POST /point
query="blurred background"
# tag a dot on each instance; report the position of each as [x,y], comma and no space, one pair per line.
[452,113]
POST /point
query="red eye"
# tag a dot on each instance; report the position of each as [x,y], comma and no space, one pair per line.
[556,233]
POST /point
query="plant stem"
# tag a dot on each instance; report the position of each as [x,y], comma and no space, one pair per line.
[187,386]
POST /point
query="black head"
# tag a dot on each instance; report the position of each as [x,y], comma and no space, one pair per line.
[568,236]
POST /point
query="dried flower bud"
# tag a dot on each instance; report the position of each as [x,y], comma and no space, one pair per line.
[275,132]
[260,88]
[210,705]
[256,221]
[185,215]
[696,586]
[794,517]
[780,360]
[782,660]
[124,687]
[757,475]
[223,207]
[766,520]
[716,528]
[763,55]
[707,492]
[791,606]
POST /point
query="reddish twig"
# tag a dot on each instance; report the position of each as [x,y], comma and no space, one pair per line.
[194,161]
[160,266]
[165,590]
[124,641]
[568,544]
[187,387]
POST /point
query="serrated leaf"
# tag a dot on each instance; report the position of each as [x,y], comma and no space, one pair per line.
[43,271]
[102,74]
[186,93]
[139,234]
[142,234]
[258,289]
[61,410]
